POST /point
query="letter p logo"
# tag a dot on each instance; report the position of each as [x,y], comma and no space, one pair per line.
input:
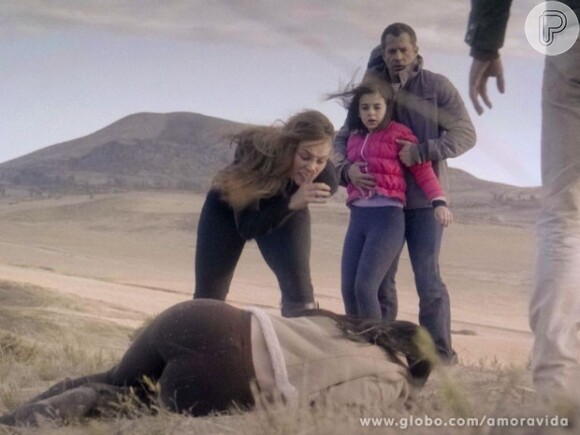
[552,28]
[551,22]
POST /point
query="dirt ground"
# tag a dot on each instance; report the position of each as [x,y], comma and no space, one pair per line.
[135,251]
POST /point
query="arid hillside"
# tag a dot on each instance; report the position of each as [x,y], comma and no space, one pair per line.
[140,151]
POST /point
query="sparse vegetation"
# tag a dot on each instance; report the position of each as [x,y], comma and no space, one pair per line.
[32,358]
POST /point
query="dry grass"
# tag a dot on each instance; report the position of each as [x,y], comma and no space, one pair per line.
[38,348]
[44,337]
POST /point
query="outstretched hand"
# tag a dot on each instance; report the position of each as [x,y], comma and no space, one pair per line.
[443,215]
[478,75]
[309,193]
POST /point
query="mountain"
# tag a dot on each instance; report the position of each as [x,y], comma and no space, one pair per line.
[184,150]
[476,200]
[145,150]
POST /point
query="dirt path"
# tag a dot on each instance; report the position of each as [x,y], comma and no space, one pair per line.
[131,298]
[134,252]
[489,345]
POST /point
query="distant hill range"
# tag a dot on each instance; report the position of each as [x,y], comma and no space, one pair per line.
[140,151]
[183,151]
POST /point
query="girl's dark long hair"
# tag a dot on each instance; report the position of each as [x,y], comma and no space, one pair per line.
[350,99]
[393,337]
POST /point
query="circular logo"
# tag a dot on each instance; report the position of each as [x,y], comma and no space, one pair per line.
[552,28]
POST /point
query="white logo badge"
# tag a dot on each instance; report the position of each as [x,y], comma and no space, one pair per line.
[552,28]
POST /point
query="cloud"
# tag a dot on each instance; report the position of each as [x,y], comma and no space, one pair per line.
[334,27]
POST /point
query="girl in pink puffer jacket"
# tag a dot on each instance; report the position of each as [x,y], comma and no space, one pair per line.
[375,235]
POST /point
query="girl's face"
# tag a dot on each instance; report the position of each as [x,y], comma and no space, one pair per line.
[309,160]
[372,109]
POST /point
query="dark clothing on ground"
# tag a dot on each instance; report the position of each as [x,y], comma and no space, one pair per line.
[200,354]
[194,351]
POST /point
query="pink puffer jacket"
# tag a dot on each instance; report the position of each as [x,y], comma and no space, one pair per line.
[381,151]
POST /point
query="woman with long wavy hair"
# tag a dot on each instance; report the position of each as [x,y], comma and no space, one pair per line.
[264,195]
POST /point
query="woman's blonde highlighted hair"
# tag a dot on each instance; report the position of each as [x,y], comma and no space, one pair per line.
[265,155]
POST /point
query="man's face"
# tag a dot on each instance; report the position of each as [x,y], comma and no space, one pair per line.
[399,54]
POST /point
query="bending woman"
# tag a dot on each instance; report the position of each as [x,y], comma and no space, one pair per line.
[264,195]
[206,355]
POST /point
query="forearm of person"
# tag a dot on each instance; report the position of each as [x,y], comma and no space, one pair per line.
[339,159]
[427,181]
[263,217]
[487,27]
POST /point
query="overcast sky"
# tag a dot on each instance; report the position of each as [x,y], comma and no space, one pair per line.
[69,68]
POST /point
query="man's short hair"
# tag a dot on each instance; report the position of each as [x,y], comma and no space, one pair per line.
[396,29]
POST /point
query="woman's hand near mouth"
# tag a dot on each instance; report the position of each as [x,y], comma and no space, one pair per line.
[309,193]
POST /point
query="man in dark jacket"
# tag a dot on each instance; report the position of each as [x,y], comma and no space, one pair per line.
[555,303]
[431,106]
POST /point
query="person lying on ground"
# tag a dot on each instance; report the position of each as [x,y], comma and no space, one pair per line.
[205,356]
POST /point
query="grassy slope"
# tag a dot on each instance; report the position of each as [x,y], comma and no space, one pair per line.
[45,336]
